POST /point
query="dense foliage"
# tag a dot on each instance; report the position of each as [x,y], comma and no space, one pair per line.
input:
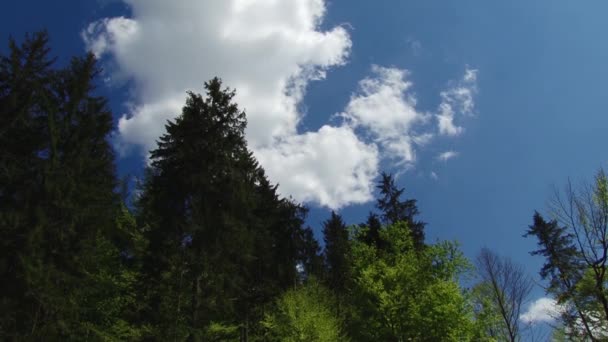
[207,249]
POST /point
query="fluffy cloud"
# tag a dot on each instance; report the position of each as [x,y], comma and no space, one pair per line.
[457,100]
[269,51]
[385,109]
[331,167]
[547,310]
[543,310]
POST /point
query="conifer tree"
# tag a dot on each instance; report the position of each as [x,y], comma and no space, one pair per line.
[58,205]
[221,241]
[337,257]
[310,257]
[23,76]
[370,231]
[395,210]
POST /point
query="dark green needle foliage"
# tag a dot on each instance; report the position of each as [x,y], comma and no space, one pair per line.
[221,240]
[337,257]
[311,258]
[60,265]
[564,268]
[369,232]
[394,209]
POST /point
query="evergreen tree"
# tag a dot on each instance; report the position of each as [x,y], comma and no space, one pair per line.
[311,258]
[24,79]
[564,269]
[337,257]
[370,232]
[221,241]
[395,210]
[58,204]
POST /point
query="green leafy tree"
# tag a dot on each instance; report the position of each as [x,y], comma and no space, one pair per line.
[564,270]
[575,249]
[402,294]
[304,314]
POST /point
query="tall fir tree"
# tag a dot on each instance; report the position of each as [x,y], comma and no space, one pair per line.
[337,257]
[24,81]
[370,232]
[396,210]
[58,204]
[310,255]
[221,240]
[565,269]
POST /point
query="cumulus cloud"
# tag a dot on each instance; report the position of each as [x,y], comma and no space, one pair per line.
[386,109]
[313,161]
[269,51]
[447,155]
[542,310]
[455,101]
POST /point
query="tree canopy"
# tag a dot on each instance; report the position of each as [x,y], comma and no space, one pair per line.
[206,248]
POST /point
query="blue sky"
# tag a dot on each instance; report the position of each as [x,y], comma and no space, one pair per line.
[538,113]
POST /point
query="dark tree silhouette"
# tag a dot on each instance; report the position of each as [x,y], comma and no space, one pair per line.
[394,209]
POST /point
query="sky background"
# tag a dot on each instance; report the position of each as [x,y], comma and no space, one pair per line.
[514,91]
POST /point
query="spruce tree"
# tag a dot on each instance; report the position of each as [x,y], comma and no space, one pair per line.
[310,256]
[58,205]
[24,78]
[337,257]
[220,240]
[395,210]
[370,232]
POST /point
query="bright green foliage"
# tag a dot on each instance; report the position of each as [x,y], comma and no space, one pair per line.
[403,294]
[221,332]
[304,315]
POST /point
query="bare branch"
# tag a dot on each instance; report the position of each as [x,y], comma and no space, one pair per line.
[510,287]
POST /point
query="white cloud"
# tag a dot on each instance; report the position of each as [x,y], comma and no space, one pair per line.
[447,155]
[543,310]
[331,167]
[384,108]
[457,100]
[269,51]
[547,310]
